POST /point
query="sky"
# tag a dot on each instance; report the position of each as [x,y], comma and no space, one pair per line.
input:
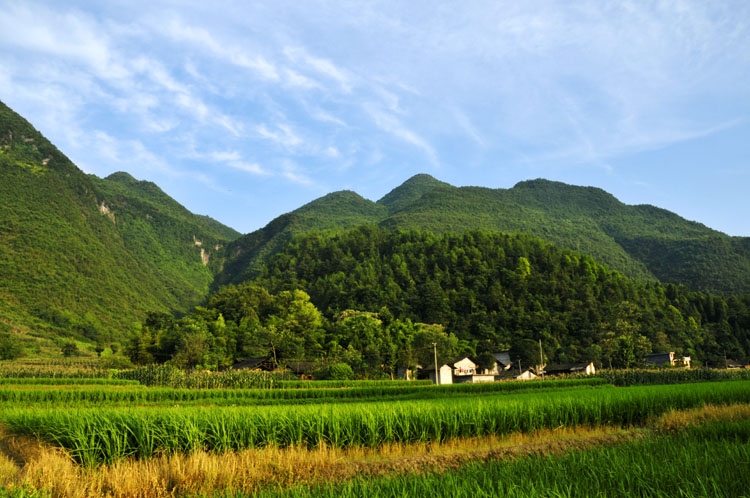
[246,110]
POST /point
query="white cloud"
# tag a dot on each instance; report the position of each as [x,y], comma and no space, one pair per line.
[73,36]
[202,38]
[324,67]
[253,168]
[468,127]
[292,172]
[282,135]
[326,117]
[392,125]
[293,78]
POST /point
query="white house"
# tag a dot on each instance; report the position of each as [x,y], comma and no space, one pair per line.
[465,370]
[444,374]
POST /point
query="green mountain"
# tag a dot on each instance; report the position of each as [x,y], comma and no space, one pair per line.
[500,291]
[338,210]
[358,296]
[410,191]
[85,256]
[641,242]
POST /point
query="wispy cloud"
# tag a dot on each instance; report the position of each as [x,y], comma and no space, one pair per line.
[299,95]
[253,168]
[322,66]
[292,172]
[282,135]
[201,38]
[392,125]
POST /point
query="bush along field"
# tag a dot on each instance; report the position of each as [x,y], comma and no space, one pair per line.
[116,436]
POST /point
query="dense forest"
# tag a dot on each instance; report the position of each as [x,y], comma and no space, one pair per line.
[369,293]
[641,242]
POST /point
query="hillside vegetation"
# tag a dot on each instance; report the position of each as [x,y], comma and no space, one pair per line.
[377,299]
[86,257]
[641,242]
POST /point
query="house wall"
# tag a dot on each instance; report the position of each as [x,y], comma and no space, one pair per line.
[527,375]
[445,375]
[464,367]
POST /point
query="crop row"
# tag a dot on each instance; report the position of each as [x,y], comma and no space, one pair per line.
[169,376]
[64,381]
[53,372]
[670,376]
[102,435]
[248,396]
[307,384]
[708,462]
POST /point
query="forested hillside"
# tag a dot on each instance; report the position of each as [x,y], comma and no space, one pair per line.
[358,294]
[86,257]
[642,242]
[335,211]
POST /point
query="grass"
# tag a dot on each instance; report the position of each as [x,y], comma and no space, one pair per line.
[104,435]
[64,381]
[96,391]
[703,462]
[273,469]
[251,470]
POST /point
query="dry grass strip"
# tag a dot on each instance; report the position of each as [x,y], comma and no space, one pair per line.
[26,462]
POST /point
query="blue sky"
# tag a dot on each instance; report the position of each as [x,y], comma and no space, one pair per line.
[246,110]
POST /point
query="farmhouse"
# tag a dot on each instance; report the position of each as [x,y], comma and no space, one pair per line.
[570,368]
[502,360]
[444,374]
[669,359]
[459,371]
[264,363]
[515,375]
[735,365]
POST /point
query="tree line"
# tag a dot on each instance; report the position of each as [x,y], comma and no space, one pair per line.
[377,299]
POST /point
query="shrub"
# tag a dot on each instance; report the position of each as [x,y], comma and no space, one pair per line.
[337,371]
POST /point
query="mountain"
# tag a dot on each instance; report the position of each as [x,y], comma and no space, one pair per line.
[85,256]
[642,242]
[410,191]
[499,291]
[338,210]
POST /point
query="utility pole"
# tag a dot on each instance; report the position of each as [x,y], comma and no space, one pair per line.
[434,351]
[541,359]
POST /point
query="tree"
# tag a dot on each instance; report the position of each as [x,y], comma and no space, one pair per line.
[525,350]
[10,349]
[69,348]
[486,361]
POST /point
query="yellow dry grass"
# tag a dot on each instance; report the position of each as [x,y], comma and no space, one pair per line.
[676,420]
[24,462]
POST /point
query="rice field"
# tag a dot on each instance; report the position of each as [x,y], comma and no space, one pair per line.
[102,435]
[100,422]
[711,462]
[92,391]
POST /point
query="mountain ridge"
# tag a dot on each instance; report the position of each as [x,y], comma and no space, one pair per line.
[86,257]
[642,241]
